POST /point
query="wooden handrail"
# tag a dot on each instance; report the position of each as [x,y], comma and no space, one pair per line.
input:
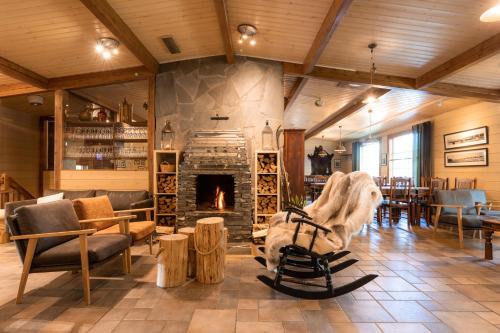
[10,190]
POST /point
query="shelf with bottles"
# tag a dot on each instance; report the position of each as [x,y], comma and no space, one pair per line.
[78,131]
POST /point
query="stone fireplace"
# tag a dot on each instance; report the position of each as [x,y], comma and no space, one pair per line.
[215,180]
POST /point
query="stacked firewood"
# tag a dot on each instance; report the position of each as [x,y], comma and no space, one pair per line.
[166,184]
[166,205]
[267,184]
[166,220]
[263,219]
[267,204]
[267,163]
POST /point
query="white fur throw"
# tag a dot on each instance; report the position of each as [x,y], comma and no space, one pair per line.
[346,203]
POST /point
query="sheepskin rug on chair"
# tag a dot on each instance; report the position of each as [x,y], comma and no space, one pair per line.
[346,203]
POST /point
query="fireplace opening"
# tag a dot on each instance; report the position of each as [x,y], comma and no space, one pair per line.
[215,192]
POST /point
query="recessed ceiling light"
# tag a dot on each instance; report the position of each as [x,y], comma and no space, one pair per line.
[107,47]
[247,31]
[491,15]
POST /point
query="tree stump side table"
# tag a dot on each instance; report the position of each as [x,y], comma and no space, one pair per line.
[210,245]
[172,260]
[189,232]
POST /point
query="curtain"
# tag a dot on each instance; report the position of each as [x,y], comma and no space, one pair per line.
[356,147]
[422,161]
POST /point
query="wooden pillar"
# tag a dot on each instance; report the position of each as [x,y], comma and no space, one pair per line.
[293,157]
[151,129]
[59,96]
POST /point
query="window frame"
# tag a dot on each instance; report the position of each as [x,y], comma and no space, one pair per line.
[389,152]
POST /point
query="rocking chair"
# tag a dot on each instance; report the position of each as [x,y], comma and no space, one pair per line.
[299,264]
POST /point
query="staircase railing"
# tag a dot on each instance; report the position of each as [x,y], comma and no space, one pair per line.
[10,191]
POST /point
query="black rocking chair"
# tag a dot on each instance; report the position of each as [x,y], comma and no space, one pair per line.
[298,264]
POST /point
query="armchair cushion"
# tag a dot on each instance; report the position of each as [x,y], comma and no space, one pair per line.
[94,208]
[100,248]
[47,217]
[147,203]
[468,221]
[121,200]
[72,194]
[138,230]
[477,195]
[462,197]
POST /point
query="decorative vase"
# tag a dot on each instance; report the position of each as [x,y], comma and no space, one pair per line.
[86,114]
[125,112]
[167,136]
[267,137]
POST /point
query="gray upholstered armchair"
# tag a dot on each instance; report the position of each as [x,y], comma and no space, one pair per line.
[457,208]
[48,238]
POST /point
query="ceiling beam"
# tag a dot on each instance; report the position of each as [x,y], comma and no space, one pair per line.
[111,20]
[295,92]
[392,81]
[18,89]
[334,74]
[335,14]
[22,74]
[222,17]
[100,78]
[480,52]
[353,106]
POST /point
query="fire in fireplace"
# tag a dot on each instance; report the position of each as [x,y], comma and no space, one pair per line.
[215,192]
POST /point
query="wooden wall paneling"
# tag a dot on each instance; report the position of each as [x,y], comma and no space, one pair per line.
[293,157]
[225,29]
[59,100]
[333,17]
[22,74]
[104,179]
[151,131]
[108,16]
[479,52]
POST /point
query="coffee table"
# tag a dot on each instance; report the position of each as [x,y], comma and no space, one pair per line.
[490,225]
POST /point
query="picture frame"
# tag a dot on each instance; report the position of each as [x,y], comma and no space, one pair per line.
[466,158]
[383,159]
[468,138]
[337,164]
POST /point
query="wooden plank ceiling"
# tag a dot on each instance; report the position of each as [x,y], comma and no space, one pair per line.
[56,38]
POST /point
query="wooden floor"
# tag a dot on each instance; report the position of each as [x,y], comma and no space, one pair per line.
[424,285]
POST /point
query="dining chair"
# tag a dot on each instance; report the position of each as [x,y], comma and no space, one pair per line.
[465,183]
[400,198]
[381,181]
[434,184]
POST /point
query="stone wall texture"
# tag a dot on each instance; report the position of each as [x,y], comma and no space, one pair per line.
[188,93]
[249,92]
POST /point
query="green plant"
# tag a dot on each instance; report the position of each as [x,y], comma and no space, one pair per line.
[298,201]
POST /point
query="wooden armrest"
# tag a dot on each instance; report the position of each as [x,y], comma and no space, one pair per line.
[55,234]
[106,219]
[447,206]
[134,210]
[312,224]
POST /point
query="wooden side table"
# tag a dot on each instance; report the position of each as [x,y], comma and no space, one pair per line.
[490,225]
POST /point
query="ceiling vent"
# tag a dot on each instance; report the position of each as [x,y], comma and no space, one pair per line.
[171,45]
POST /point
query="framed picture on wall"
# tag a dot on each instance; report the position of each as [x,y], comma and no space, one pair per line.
[466,158]
[337,164]
[468,138]
[383,159]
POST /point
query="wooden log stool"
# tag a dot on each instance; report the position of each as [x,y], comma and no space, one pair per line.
[172,260]
[189,232]
[210,245]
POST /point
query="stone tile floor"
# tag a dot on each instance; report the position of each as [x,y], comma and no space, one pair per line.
[424,285]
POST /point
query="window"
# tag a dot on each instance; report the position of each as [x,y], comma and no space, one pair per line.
[369,158]
[401,155]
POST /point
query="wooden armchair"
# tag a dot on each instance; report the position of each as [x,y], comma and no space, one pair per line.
[48,238]
[100,208]
[457,208]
